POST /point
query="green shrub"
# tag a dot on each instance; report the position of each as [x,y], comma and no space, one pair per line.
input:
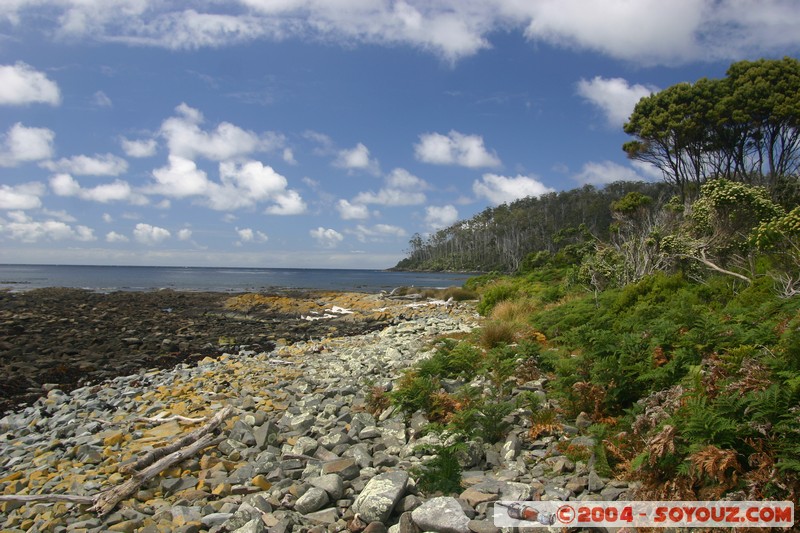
[442,473]
[452,359]
[413,392]
[493,294]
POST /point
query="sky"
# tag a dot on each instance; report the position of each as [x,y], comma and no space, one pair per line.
[326,133]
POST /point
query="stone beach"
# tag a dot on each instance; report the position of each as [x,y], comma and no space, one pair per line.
[301,451]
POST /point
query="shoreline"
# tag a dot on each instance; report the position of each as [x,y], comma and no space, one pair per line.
[66,338]
[306,449]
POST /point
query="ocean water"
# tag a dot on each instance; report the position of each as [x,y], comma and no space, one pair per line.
[135,278]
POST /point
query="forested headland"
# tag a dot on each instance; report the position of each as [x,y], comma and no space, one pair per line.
[664,316]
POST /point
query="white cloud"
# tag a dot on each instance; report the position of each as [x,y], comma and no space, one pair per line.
[139,148]
[242,185]
[113,236]
[348,211]
[150,235]
[21,84]
[117,191]
[186,139]
[501,189]
[21,197]
[402,188]
[325,145]
[107,218]
[377,233]
[288,156]
[601,173]
[614,96]
[250,235]
[24,228]
[440,217]
[101,99]
[645,31]
[287,203]
[326,237]
[179,179]
[357,158]
[65,185]
[22,144]
[184,234]
[83,165]
[454,149]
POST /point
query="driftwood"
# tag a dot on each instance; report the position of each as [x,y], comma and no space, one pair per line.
[105,501]
[156,454]
[151,464]
[47,498]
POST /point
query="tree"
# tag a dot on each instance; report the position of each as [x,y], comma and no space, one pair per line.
[673,132]
[745,127]
[764,103]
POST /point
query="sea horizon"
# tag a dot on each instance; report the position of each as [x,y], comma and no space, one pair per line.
[18,277]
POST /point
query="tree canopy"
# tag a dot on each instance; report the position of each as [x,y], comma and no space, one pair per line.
[744,127]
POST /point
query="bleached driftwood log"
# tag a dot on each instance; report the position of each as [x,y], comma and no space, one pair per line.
[156,454]
[151,464]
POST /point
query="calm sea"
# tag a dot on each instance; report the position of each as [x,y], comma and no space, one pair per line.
[131,278]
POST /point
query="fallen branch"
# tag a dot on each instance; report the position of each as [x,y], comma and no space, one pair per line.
[156,454]
[47,498]
[105,501]
[152,463]
[159,419]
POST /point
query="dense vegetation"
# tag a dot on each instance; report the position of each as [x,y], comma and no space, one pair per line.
[500,238]
[676,329]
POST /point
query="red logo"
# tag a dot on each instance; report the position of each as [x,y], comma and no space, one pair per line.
[566,514]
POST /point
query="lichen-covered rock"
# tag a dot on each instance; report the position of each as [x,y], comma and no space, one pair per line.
[377,500]
[443,515]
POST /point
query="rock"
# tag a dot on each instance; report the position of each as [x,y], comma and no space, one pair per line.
[595,484]
[256,525]
[475,497]
[504,490]
[510,449]
[379,497]
[266,435]
[347,468]
[562,465]
[375,527]
[215,519]
[330,483]
[314,499]
[612,493]
[483,526]
[442,514]
[324,516]
[583,421]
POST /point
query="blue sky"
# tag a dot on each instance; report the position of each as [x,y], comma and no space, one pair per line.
[325,133]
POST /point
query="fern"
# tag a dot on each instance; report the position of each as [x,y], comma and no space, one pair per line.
[704,425]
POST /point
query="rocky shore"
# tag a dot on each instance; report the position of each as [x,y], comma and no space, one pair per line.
[66,338]
[301,450]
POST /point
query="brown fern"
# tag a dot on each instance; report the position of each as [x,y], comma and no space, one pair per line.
[716,466]
[661,444]
[762,467]
[755,376]
[544,421]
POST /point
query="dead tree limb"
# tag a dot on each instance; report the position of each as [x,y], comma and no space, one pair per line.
[47,498]
[105,501]
[151,464]
[156,454]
